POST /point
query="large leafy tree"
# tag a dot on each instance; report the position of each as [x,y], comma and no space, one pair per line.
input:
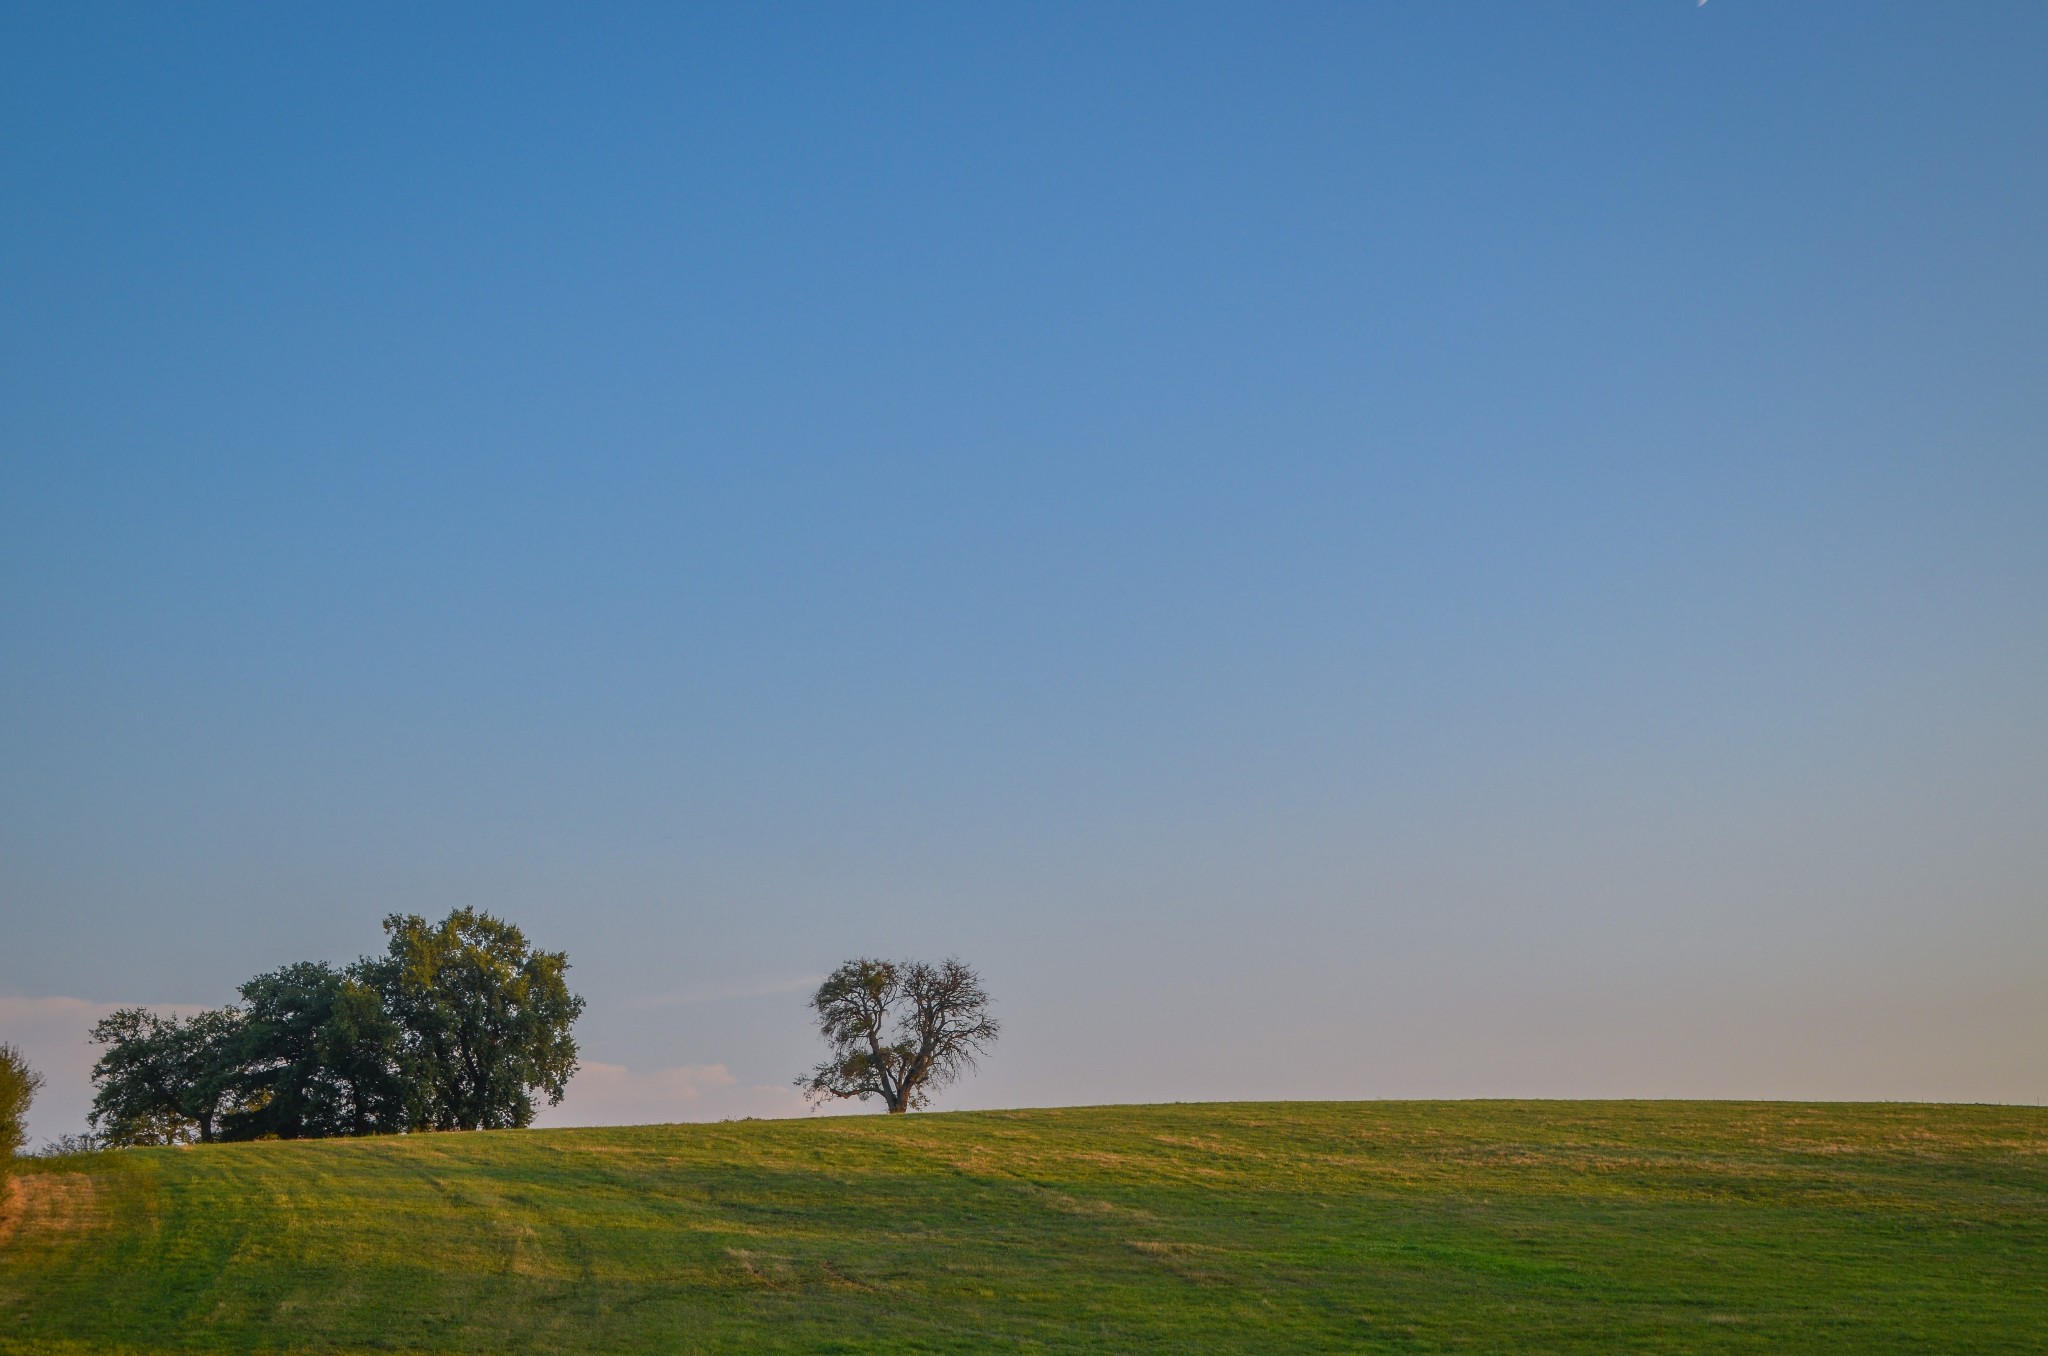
[165,1080]
[319,1056]
[362,1048]
[898,1030]
[18,1085]
[484,1019]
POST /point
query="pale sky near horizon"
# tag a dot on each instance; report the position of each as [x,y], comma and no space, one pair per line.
[1331,551]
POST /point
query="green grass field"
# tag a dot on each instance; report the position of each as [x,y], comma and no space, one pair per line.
[1377,1226]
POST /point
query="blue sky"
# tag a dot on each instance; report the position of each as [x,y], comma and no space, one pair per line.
[1330,550]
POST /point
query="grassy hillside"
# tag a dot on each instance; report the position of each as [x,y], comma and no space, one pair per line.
[1464,1226]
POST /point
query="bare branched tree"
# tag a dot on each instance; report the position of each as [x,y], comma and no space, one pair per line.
[898,1030]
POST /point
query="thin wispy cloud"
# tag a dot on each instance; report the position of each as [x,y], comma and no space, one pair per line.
[613,1094]
[728,993]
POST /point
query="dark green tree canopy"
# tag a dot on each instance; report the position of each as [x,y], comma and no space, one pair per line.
[319,1056]
[898,1030]
[485,1019]
[165,1080]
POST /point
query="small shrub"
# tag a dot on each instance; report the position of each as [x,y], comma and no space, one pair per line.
[64,1146]
[18,1084]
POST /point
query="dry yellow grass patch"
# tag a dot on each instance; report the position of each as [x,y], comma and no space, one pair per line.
[47,1202]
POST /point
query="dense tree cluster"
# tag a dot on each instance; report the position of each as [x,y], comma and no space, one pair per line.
[457,1026]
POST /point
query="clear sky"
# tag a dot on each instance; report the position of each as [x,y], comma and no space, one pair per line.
[1330,550]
